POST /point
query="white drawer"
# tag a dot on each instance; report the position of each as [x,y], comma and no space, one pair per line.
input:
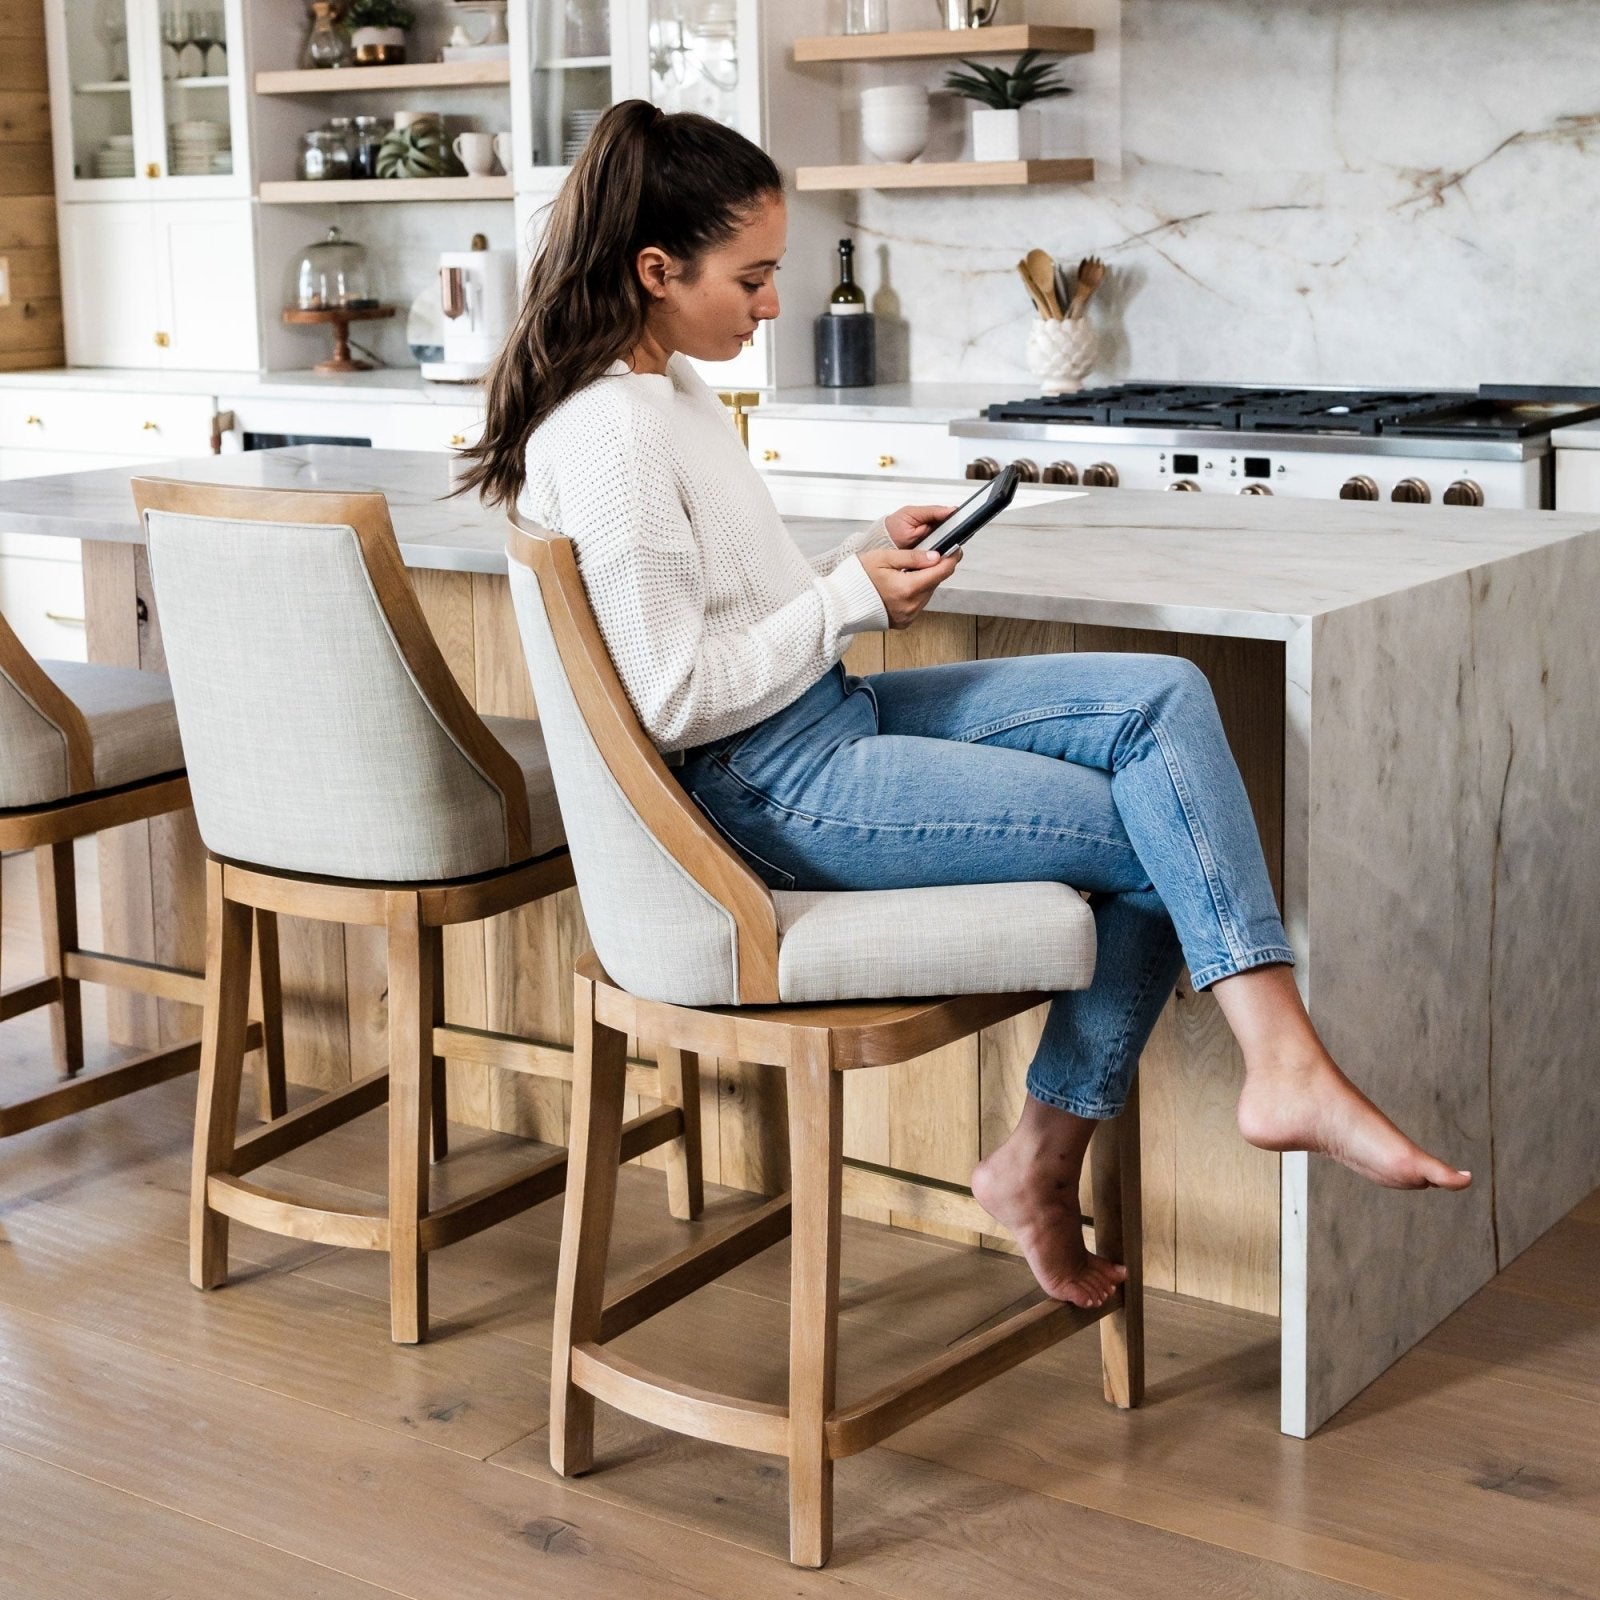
[148,426]
[43,602]
[430,427]
[896,449]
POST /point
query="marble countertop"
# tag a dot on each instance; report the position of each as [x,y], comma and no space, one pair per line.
[389,385]
[891,402]
[1581,436]
[1228,565]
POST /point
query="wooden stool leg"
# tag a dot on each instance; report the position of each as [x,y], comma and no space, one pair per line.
[680,1086]
[1119,1235]
[227,1004]
[816,1159]
[272,1090]
[599,1080]
[438,1121]
[58,924]
[411,981]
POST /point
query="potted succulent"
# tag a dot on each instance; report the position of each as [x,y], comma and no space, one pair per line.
[378,31]
[1010,129]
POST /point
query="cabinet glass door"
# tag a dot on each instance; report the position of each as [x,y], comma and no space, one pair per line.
[694,58]
[100,112]
[190,76]
[571,46]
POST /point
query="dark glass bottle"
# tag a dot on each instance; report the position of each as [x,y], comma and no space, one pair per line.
[846,333]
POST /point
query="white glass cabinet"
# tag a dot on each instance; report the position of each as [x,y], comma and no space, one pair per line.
[149,99]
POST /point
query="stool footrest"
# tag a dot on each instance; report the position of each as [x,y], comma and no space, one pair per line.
[474,1212]
[356,1229]
[694,1268]
[307,1122]
[25,997]
[958,1370]
[140,977]
[81,1093]
[538,1059]
[721,1418]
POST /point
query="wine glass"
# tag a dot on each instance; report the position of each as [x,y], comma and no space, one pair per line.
[111,25]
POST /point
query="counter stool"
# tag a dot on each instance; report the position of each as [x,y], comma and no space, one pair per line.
[700,956]
[85,747]
[340,774]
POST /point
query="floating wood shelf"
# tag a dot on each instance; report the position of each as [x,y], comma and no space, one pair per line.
[946,175]
[412,75]
[340,191]
[946,43]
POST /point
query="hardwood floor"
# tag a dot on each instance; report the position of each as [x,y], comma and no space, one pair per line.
[268,1440]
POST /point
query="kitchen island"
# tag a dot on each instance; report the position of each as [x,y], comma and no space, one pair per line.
[1409,691]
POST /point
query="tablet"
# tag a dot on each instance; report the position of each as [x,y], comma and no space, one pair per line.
[972,513]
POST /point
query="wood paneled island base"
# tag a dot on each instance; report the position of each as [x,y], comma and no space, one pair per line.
[1409,695]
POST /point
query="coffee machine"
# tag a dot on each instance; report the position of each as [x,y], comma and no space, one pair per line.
[478,295]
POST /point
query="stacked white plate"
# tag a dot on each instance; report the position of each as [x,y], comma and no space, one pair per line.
[580,124]
[195,147]
[114,159]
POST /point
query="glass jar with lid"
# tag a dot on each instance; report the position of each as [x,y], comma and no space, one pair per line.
[330,274]
[369,132]
[324,154]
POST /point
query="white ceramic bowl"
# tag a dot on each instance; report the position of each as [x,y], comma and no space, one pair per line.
[895,122]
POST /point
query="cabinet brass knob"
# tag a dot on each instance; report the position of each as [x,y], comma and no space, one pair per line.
[153,170]
[152,427]
[769,455]
[163,340]
[885,461]
[34,422]
[458,439]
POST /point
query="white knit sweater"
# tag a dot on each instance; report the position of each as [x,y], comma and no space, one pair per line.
[712,615]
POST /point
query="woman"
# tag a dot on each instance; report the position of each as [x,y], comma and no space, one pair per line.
[1107,772]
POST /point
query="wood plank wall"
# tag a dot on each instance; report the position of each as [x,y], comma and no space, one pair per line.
[1211,1202]
[30,327]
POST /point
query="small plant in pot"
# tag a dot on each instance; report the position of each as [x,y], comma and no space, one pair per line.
[1010,128]
[378,31]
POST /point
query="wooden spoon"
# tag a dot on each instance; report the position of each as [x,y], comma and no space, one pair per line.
[1091,274]
[1042,270]
[1033,291]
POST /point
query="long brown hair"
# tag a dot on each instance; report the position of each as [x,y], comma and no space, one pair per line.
[680,182]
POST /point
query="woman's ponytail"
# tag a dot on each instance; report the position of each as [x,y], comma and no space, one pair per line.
[680,182]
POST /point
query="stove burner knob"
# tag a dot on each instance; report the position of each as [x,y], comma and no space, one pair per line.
[1412,491]
[1463,492]
[1102,475]
[1061,472]
[1360,487]
[1255,488]
[983,467]
[1183,486]
[1027,470]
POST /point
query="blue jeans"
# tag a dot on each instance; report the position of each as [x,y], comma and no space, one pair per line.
[1107,772]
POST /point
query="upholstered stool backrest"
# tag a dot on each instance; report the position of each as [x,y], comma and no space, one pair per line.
[674,914]
[322,730]
[45,749]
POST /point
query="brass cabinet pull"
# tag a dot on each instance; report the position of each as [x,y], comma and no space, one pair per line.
[885,461]
[458,438]
[71,622]
[153,170]
[34,422]
[163,340]
[152,427]
[769,455]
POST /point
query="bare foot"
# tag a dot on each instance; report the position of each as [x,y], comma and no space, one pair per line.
[1309,1104]
[1036,1197]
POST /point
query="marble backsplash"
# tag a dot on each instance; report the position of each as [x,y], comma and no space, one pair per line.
[1312,191]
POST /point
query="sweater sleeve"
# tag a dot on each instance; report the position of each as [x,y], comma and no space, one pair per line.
[642,568]
[874,538]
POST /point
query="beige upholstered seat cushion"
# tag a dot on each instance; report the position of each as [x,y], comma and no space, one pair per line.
[131,724]
[882,944]
[525,742]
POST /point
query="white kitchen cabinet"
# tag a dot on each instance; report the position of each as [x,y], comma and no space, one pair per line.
[118,100]
[169,284]
[1577,479]
[887,449]
[41,595]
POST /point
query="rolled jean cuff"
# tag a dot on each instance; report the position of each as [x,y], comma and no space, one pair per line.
[1272,955]
[1091,1110]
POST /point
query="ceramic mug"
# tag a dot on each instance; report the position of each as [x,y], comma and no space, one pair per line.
[503,146]
[475,151]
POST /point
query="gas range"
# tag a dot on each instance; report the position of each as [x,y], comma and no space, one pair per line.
[1484,447]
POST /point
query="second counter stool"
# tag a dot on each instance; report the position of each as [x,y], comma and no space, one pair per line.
[339,773]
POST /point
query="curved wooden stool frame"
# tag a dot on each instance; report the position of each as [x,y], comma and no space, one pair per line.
[49,831]
[815,1045]
[420,1041]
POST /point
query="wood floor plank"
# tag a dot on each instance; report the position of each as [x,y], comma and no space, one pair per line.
[124,1548]
[361,1500]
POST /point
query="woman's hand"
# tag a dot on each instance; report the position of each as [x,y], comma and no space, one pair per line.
[905,579]
[911,523]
